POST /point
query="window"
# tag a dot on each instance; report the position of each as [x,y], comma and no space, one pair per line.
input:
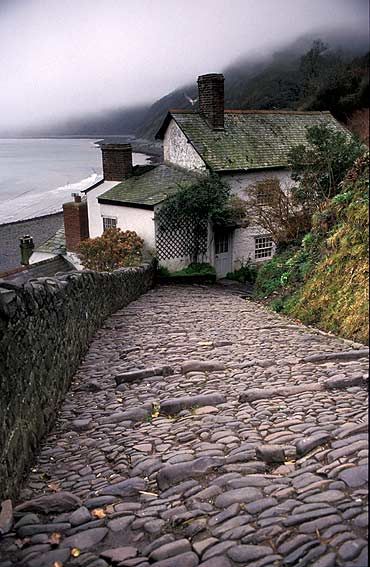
[221,242]
[263,247]
[267,192]
[109,222]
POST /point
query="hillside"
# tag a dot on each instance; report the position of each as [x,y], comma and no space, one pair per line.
[322,78]
[306,74]
[325,282]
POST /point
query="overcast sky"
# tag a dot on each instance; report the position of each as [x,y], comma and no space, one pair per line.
[60,58]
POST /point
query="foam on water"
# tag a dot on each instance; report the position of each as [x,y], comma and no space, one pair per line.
[32,204]
[38,175]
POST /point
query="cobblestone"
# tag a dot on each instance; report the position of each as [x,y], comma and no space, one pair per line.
[199,431]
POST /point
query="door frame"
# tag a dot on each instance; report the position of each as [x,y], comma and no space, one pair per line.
[230,235]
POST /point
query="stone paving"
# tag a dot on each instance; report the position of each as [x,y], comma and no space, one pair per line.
[202,429]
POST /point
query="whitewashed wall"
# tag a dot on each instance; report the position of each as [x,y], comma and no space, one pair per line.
[244,238]
[177,149]
[133,218]
[93,207]
[95,218]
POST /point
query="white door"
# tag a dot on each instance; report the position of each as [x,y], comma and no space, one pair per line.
[223,253]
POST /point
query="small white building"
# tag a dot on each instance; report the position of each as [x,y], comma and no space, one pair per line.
[244,147]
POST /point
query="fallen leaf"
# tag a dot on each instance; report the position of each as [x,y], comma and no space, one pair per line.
[147,493]
[57,564]
[22,542]
[98,513]
[54,486]
[55,538]
[75,552]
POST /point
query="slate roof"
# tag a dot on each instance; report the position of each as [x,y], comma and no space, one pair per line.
[55,245]
[251,139]
[45,269]
[148,186]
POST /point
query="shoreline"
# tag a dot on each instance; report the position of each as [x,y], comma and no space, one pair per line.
[152,150]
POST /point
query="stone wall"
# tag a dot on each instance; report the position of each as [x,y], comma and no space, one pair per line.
[45,329]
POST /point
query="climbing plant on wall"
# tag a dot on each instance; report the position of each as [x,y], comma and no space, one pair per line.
[185,216]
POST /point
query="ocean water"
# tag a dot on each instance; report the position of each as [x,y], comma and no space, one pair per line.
[38,175]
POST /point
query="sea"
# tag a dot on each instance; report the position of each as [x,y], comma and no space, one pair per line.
[38,175]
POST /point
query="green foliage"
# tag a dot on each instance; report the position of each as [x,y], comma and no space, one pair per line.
[325,281]
[321,166]
[114,249]
[196,269]
[163,271]
[335,296]
[271,273]
[208,200]
[246,273]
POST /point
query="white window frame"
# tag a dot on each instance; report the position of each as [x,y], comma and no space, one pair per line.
[107,218]
[263,247]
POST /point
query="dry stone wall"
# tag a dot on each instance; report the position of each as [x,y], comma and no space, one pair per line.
[45,328]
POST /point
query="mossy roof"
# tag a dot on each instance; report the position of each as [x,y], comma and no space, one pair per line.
[56,244]
[148,186]
[251,139]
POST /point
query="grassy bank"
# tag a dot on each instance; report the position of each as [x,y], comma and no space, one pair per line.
[324,281]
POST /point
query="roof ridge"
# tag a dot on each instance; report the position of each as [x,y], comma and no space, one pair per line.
[251,111]
[235,111]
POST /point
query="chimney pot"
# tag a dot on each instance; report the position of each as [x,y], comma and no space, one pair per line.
[77,198]
[211,99]
[117,161]
[26,245]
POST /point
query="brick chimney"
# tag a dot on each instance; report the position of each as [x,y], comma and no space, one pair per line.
[76,223]
[211,99]
[117,161]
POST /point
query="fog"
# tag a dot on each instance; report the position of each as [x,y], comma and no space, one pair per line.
[64,58]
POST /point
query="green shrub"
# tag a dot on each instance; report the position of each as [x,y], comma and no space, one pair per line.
[246,273]
[196,269]
[163,271]
[271,274]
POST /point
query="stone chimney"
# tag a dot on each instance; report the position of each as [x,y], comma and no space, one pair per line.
[26,245]
[117,161]
[76,223]
[211,99]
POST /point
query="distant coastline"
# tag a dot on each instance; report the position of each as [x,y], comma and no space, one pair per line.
[139,145]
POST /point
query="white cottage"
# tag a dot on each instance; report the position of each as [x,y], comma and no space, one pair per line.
[244,147]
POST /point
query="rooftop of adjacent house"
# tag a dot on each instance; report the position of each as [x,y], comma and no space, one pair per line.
[148,186]
[251,139]
[45,269]
[41,229]
[55,245]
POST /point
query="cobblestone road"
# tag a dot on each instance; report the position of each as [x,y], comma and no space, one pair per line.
[202,430]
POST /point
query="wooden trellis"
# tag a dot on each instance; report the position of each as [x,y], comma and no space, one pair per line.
[178,242]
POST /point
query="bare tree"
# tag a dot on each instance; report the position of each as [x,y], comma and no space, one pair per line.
[271,206]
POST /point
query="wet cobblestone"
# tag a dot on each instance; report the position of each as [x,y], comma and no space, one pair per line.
[276,479]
